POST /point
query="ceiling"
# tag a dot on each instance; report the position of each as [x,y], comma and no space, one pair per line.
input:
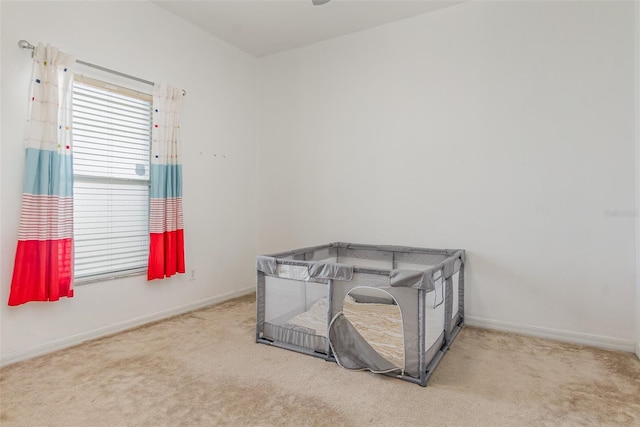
[263,27]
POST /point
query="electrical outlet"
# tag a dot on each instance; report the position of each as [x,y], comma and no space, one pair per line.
[192,274]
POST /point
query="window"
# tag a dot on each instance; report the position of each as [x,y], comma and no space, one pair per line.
[111,150]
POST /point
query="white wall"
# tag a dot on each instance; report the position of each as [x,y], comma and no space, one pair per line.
[220,197]
[504,128]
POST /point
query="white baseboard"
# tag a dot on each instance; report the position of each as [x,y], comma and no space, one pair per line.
[118,327]
[555,334]
[638,350]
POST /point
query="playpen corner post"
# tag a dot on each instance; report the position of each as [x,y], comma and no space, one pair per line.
[461,293]
[422,302]
[260,303]
[448,309]
[329,314]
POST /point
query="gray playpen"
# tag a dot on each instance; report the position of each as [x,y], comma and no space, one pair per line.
[388,309]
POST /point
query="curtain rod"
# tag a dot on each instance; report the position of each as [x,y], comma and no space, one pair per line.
[23,44]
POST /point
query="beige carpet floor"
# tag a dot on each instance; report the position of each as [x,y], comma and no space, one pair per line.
[203,368]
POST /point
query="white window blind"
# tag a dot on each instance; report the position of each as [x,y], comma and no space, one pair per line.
[111,149]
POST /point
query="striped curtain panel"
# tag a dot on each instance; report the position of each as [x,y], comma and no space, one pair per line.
[166,250]
[43,269]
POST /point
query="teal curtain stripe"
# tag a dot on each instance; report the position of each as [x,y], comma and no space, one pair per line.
[166,181]
[48,173]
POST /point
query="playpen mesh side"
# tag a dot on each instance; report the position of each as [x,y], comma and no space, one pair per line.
[370,256]
[296,313]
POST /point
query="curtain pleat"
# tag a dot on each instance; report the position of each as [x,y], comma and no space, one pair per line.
[43,268]
[166,250]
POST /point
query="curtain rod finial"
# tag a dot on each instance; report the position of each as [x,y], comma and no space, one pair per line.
[23,44]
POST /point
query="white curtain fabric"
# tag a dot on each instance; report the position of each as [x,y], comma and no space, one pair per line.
[49,116]
[167,106]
